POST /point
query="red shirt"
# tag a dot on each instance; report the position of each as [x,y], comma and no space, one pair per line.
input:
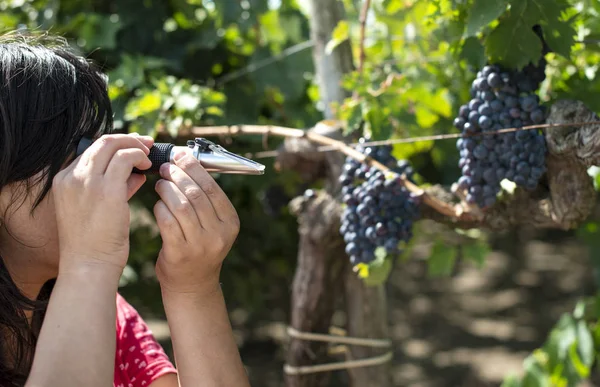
[139,360]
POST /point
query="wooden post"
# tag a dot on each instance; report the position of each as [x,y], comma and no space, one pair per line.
[320,272]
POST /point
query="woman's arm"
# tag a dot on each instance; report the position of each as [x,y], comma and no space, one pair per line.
[206,353]
[76,346]
[198,225]
[77,341]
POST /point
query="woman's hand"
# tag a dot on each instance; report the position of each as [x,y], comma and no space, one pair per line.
[91,201]
[198,225]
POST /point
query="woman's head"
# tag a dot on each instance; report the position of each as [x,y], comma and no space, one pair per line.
[49,99]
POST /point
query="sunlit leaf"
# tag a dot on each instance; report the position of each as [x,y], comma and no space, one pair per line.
[339,35]
[482,13]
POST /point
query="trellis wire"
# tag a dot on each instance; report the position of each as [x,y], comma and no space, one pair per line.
[437,137]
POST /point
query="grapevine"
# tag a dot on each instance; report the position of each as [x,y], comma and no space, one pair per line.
[379,211]
[501,98]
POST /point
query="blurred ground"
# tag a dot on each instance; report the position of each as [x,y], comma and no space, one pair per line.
[467,330]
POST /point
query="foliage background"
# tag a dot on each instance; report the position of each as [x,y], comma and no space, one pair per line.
[177,63]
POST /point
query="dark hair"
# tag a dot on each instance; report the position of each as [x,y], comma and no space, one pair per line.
[50,98]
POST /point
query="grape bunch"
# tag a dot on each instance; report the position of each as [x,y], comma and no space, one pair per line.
[379,210]
[501,98]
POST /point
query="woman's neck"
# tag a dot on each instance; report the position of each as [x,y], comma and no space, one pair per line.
[27,273]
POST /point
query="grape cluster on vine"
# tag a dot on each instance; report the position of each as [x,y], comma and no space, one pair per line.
[501,98]
[379,211]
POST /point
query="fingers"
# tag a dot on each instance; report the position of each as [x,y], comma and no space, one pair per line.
[180,207]
[223,208]
[146,140]
[123,162]
[170,230]
[194,194]
[99,155]
[134,183]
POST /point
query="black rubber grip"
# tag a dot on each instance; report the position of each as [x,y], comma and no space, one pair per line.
[160,153]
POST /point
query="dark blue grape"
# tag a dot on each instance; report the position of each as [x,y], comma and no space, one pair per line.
[496,105]
[528,103]
[536,173]
[515,112]
[469,128]
[489,201]
[501,99]
[520,180]
[464,111]
[473,117]
[494,80]
[485,109]
[522,136]
[489,175]
[480,152]
[523,168]
[474,104]
[505,118]
[537,116]
[485,122]
[511,102]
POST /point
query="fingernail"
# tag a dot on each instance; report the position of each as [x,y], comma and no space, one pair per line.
[179,156]
[164,168]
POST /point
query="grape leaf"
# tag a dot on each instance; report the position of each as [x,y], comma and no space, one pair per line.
[473,52]
[377,271]
[560,37]
[514,45]
[441,261]
[476,252]
[513,42]
[585,343]
[482,13]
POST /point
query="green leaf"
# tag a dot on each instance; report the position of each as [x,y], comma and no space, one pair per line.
[147,103]
[585,344]
[511,381]
[338,36]
[560,37]
[476,252]
[377,271]
[535,375]
[513,44]
[375,120]
[582,370]
[473,52]
[482,13]
[442,259]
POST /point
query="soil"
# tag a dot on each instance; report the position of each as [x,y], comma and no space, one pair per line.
[470,329]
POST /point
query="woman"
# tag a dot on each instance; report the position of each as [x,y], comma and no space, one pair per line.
[64,239]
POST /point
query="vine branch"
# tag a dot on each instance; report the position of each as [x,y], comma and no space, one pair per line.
[446,209]
[363,24]
[563,199]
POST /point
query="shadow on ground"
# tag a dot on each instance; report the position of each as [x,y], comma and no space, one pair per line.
[471,329]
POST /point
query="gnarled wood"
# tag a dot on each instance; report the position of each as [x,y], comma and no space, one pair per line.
[567,196]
